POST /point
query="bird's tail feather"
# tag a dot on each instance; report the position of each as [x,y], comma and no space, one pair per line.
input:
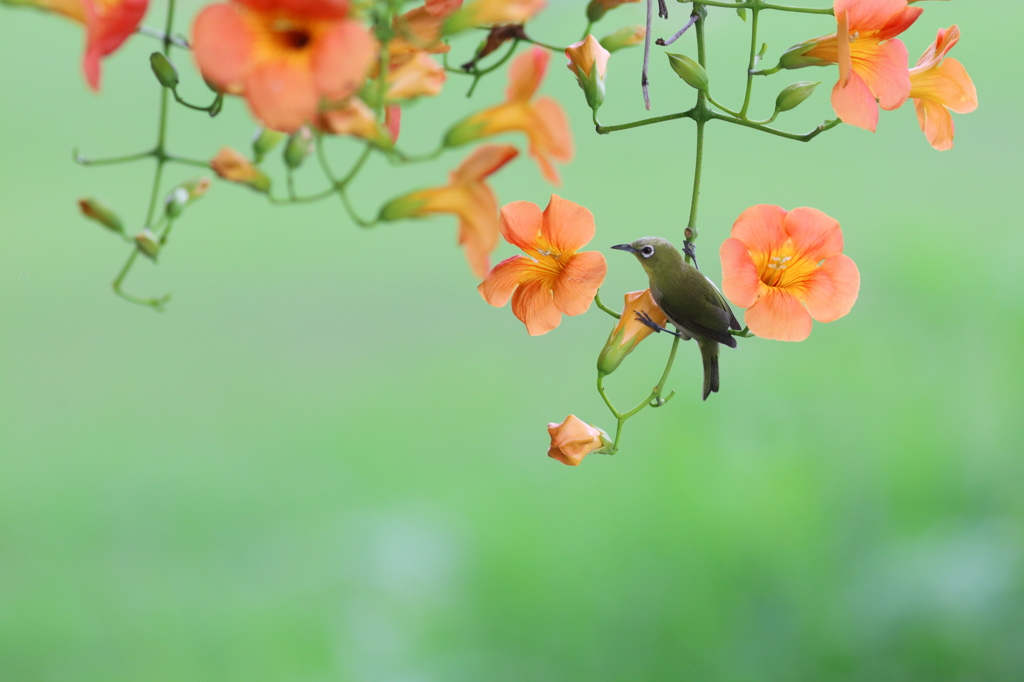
[709,353]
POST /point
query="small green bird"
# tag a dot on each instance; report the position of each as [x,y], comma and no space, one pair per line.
[690,300]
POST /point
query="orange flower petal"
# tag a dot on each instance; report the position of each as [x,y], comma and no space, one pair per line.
[550,136]
[948,84]
[478,227]
[566,225]
[521,224]
[936,123]
[778,315]
[108,24]
[832,289]
[526,73]
[534,305]
[484,161]
[815,234]
[282,95]
[884,68]
[945,39]
[870,15]
[222,46]
[854,103]
[578,282]
[740,280]
[843,58]
[497,288]
[760,228]
[313,9]
[342,59]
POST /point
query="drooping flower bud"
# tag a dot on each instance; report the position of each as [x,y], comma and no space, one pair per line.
[233,167]
[573,439]
[299,146]
[796,56]
[589,62]
[264,141]
[689,70]
[104,215]
[794,95]
[147,243]
[624,37]
[629,331]
[164,70]
[358,120]
[183,195]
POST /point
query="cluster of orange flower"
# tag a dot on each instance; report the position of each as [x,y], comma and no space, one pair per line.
[316,64]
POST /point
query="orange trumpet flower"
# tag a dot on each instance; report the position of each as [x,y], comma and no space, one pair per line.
[466,196]
[938,85]
[786,268]
[108,23]
[574,439]
[543,121]
[872,62]
[283,56]
[552,278]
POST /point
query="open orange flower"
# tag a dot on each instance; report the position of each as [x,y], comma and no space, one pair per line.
[785,268]
[938,85]
[543,121]
[552,278]
[574,439]
[466,196]
[422,28]
[283,56]
[353,117]
[872,62]
[108,23]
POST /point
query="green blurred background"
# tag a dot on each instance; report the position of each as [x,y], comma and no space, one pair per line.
[326,460]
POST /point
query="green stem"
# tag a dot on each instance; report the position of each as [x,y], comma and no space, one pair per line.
[586,31]
[608,401]
[806,137]
[602,306]
[690,233]
[759,4]
[173,158]
[196,107]
[127,158]
[545,45]
[723,107]
[604,130]
[750,63]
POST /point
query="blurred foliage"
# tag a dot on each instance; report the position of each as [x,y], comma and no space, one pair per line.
[326,460]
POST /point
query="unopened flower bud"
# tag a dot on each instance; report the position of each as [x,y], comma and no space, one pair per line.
[300,144]
[597,8]
[689,70]
[232,166]
[94,210]
[264,141]
[793,95]
[624,37]
[629,331]
[147,243]
[796,56]
[589,62]
[573,439]
[164,70]
[183,195]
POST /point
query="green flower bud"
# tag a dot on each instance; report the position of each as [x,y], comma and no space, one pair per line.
[467,130]
[164,70]
[689,70]
[94,210]
[183,195]
[793,95]
[624,37]
[147,243]
[796,56]
[595,11]
[300,144]
[264,141]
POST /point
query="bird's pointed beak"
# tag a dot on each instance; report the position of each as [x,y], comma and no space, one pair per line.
[624,247]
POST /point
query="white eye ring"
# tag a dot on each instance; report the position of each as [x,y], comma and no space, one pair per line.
[647,251]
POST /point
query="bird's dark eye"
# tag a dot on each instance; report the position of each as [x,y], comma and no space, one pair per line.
[647,251]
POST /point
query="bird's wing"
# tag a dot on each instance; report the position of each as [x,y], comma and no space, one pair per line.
[724,305]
